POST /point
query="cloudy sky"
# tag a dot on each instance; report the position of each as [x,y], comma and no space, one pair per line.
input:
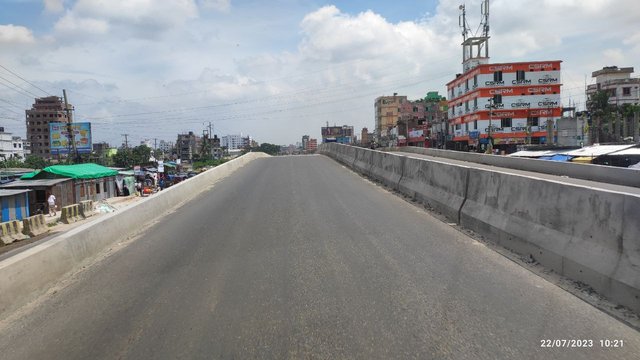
[277,70]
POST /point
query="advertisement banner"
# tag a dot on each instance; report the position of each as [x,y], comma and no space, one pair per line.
[59,136]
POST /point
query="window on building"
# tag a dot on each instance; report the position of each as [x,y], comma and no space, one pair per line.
[466,127]
[466,105]
[97,188]
[497,99]
[15,146]
[475,124]
[475,81]
[626,91]
[505,122]
[497,76]
[457,126]
[475,103]
[415,109]
[520,75]
[533,121]
[466,85]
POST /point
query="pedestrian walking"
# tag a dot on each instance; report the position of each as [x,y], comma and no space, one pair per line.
[52,204]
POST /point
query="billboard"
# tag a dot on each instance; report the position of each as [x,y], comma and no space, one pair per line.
[59,137]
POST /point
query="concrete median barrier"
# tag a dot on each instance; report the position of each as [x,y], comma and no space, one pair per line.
[11,231]
[363,161]
[86,208]
[387,168]
[70,213]
[35,225]
[586,234]
[579,232]
[600,173]
[438,185]
[30,273]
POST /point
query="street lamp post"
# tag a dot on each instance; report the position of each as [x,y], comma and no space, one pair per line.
[490,144]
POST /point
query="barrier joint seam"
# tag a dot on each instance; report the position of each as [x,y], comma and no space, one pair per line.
[466,193]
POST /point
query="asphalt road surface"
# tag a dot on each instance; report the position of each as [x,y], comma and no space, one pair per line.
[298,257]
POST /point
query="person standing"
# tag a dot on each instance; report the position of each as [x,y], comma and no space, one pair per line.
[52,204]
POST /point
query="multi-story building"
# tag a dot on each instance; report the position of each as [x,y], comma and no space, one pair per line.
[312,145]
[165,146]
[340,134]
[364,137]
[623,91]
[387,112]
[508,104]
[622,88]
[232,142]
[10,146]
[305,140]
[501,105]
[437,115]
[187,145]
[44,111]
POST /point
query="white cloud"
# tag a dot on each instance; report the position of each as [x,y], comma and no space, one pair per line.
[165,13]
[15,34]
[70,23]
[613,56]
[54,6]
[218,5]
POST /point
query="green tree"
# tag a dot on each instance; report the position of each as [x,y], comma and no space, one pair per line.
[36,162]
[267,148]
[127,157]
[601,113]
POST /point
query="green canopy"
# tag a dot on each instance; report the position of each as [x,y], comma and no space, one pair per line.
[78,171]
[30,175]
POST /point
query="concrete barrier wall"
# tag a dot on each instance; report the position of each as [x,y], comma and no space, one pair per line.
[387,168]
[363,161]
[11,231]
[600,173]
[585,234]
[438,185]
[86,208]
[35,225]
[578,232]
[30,273]
[70,213]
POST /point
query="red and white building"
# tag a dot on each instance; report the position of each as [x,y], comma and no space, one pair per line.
[517,101]
[502,104]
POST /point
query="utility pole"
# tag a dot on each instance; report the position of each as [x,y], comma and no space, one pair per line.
[126,147]
[490,144]
[126,142]
[70,134]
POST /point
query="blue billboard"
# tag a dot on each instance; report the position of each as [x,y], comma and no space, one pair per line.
[60,140]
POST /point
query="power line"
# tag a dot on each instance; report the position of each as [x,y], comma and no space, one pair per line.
[16,90]
[25,80]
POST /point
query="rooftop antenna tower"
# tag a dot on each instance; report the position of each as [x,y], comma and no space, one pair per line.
[475,49]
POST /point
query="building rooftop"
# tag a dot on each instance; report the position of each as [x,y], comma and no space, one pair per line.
[612,70]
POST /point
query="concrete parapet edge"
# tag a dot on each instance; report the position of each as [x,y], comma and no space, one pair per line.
[31,273]
[586,234]
[600,173]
